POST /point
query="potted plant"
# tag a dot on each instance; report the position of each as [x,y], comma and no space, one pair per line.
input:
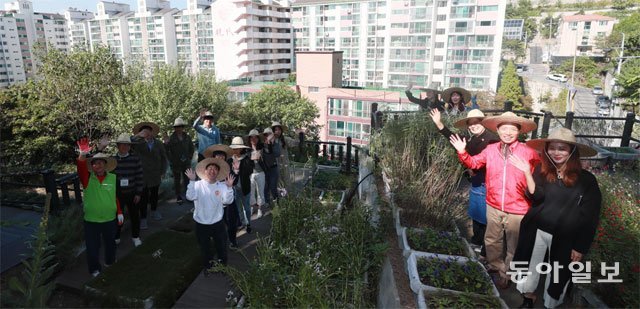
[427,299]
[434,241]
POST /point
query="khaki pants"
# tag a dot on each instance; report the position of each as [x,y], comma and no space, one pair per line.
[502,228]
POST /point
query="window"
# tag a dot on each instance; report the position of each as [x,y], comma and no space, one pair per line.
[313,89]
[603,23]
[440,31]
[437,58]
[442,17]
[486,23]
[487,8]
[439,44]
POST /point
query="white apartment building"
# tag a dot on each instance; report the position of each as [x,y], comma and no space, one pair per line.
[387,44]
[252,39]
[78,26]
[152,33]
[11,64]
[580,34]
[194,36]
[109,28]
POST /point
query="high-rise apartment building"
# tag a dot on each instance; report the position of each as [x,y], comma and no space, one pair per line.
[152,33]
[194,36]
[11,64]
[386,44]
[78,26]
[109,28]
[252,39]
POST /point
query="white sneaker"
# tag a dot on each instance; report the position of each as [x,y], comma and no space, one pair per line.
[95,273]
[259,214]
[137,241]
[117,241]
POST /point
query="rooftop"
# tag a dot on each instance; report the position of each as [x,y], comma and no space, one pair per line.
[587,17]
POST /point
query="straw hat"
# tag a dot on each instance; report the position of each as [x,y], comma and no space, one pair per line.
[562,135]
[267,131]
[123,138]
[222,173]
[111,162]
[179,122]
[472,114]
[154,127]
[238,143]
[208,153]
[446,94]
[207,114]
[254,132]
[493,122]
[278,124]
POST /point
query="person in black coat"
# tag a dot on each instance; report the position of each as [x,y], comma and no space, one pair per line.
[477,139]
[563,219]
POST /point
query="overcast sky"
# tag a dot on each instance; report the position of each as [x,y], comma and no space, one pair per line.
[59,6]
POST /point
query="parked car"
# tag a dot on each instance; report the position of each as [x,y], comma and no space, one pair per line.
[597,90]
[604,103]
[521,68]
[603,112]
[600,98]
[557,77]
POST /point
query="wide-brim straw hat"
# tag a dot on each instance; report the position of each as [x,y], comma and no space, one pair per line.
[562,135]
[123,138]
[492,123]
[218,147]
[472,114]
[446,94]
[254,132]
[278,124]
[222,164]
[238,143]
[155,129]
[267,131]
[111,162]
[179,122]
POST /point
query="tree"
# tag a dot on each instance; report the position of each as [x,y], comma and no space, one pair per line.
[630,26]
[587,71]
[283,104]
[629,80]
[622,4]
[510,86]
[549,25]
[515,46]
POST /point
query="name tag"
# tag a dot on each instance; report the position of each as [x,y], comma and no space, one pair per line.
[124,182]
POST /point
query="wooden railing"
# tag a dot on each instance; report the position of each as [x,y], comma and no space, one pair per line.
[50,183]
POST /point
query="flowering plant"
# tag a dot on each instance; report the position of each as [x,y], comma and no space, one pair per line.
[618,238]
[441,242]
[454,275]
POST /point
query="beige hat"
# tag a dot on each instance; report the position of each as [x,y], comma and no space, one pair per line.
[472,114]
[207,114]
[254,132]
[208,153]
[238,143]
[562,135]
[123,138]
[179,122]
[267,131]
[111,162]
[202,167]
[278,124]
[154,127]
[493,122]
[446,94]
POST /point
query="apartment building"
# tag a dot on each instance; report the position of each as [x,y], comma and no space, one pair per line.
[580,34]
[194,36]
[78,26]
[11,64]
[253,39]
[152,33]
[394,43]
[109,28]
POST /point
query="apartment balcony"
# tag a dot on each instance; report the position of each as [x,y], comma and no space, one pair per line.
[270,66]
[465,59]
[466,72]
[269,35]
[462,16]
[459,30]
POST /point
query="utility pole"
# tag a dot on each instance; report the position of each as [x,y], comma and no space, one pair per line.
[621,55]
[575,52]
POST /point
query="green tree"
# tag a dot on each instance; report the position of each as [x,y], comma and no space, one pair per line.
[629,81]
[510,86]
[630,26]
[169,92]
[281,103]
[587,71]
[622,4]
[549,25]
[514,46]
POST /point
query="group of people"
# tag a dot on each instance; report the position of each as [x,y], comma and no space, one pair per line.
[527,200]
[228,182]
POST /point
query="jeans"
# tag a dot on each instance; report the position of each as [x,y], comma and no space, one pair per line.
[478,236]
[94,233]
[243,205]
[257,189]
[149,195]
[204,233]
[271,188]
[126,201]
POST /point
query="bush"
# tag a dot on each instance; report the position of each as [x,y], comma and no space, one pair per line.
[332,181]
[66,232]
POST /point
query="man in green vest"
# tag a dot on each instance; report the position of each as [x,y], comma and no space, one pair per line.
[101,207]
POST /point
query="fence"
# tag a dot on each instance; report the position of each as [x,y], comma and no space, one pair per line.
[378,119]
[50,183]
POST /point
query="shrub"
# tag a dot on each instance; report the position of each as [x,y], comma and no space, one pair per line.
[332,181]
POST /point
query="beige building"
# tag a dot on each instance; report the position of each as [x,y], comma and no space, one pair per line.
[580,34]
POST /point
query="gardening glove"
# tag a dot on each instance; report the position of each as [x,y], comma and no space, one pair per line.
[104,142]
[120,219]
[83,146]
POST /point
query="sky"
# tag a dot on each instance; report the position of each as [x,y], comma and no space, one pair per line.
[59,6]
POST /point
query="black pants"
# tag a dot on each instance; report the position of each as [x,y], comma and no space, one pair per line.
[232,221]
[94,233]
[180,182]
[126,202]
[478,236]
[200,157]
[271,176]
[204,233]
[149,196]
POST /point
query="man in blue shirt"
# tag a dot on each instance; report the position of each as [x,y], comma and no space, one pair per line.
[208,133]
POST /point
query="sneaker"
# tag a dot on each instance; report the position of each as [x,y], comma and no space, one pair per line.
[95,273]
[259,214]
[137,242]
[179,200]
[143,224]
[117,241]
[156,215]
[248,229]
[476,248]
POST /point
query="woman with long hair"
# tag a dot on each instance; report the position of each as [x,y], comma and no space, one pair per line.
[455,100]
[562,220]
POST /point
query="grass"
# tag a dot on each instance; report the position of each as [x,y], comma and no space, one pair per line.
[461,300]
[332,181]
[144,273]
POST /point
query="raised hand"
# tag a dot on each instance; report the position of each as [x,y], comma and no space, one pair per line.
[229,181]
[236,164]
[520,164]
[202,112]
[83,146]
[120,219]
[458,143]
[103,143]
[190,174]
[436,117]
